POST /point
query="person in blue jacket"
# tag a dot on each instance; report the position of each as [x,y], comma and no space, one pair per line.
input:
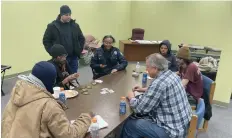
[107,59]
[165,51]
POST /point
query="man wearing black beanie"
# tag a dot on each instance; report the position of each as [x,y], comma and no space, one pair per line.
[65,77]
[65,31]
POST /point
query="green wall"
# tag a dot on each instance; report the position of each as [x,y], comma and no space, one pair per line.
[24,23]
[203,23]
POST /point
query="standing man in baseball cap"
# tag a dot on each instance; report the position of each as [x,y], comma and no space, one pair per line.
[65,31]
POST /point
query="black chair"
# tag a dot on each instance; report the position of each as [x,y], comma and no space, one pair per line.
[3,71]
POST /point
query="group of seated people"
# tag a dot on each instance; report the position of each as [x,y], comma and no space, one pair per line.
[162,111]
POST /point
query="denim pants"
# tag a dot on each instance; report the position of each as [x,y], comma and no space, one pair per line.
[73,63]
[142,128]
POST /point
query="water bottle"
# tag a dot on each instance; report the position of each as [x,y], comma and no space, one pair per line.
[122,108]
[62,97]
[94,129]
[144,80]
[137,68]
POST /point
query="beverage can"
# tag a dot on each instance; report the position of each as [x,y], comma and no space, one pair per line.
[62,97]
[144,80]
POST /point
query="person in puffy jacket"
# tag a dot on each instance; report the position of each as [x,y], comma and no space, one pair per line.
[32,111]
[107,59]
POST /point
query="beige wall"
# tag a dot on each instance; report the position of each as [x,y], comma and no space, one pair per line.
[203,23]
[24,23]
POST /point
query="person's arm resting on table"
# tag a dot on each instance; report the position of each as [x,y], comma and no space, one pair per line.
[60,126]
[94,61]
[122,62]
[185,82]
[148,101]
[189,75]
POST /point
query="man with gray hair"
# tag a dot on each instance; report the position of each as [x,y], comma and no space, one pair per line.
[163,109]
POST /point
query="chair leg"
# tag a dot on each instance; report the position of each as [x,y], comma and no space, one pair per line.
[205,126]
[3,94]
[2,82]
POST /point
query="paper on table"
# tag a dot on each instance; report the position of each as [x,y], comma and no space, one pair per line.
[71,87]
[98,81]
[102,123]
[106,90]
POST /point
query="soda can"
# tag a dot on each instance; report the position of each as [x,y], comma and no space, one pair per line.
[144,80]
[62,97]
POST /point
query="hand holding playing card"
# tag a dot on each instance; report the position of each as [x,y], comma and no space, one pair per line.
[139,89]
[73,76]
[102,66]
[114,70]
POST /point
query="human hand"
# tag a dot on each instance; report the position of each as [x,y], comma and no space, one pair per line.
[102,66]
[73,76]
[131,95]
[65,81]
[114,70]
[139,89]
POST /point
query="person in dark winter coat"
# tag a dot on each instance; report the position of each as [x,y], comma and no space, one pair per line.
[67,32]
[107,59]
[65,77]
[165,50]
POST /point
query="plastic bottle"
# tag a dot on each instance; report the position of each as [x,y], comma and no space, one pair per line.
[122,107]
[137,68]
[94,128]
[61,89]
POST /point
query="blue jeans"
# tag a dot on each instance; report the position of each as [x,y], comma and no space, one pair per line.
[142,128]
[73,63]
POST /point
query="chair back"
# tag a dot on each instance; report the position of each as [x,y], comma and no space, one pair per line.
[137,34]
[208,87]
[196,119]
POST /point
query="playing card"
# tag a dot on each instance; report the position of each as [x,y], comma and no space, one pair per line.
[94,83]
[98,81]
[103,92]
[71,87]
[85,93]
[111,91]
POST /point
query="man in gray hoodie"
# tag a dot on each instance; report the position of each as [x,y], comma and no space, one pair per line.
[165,51]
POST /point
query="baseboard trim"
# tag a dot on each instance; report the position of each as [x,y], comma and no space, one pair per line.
[16,74]
[221,104]
[26,72]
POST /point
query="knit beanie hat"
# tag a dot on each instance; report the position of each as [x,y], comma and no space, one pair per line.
[184,53]
[46,72]
[65,10]
[58,50]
